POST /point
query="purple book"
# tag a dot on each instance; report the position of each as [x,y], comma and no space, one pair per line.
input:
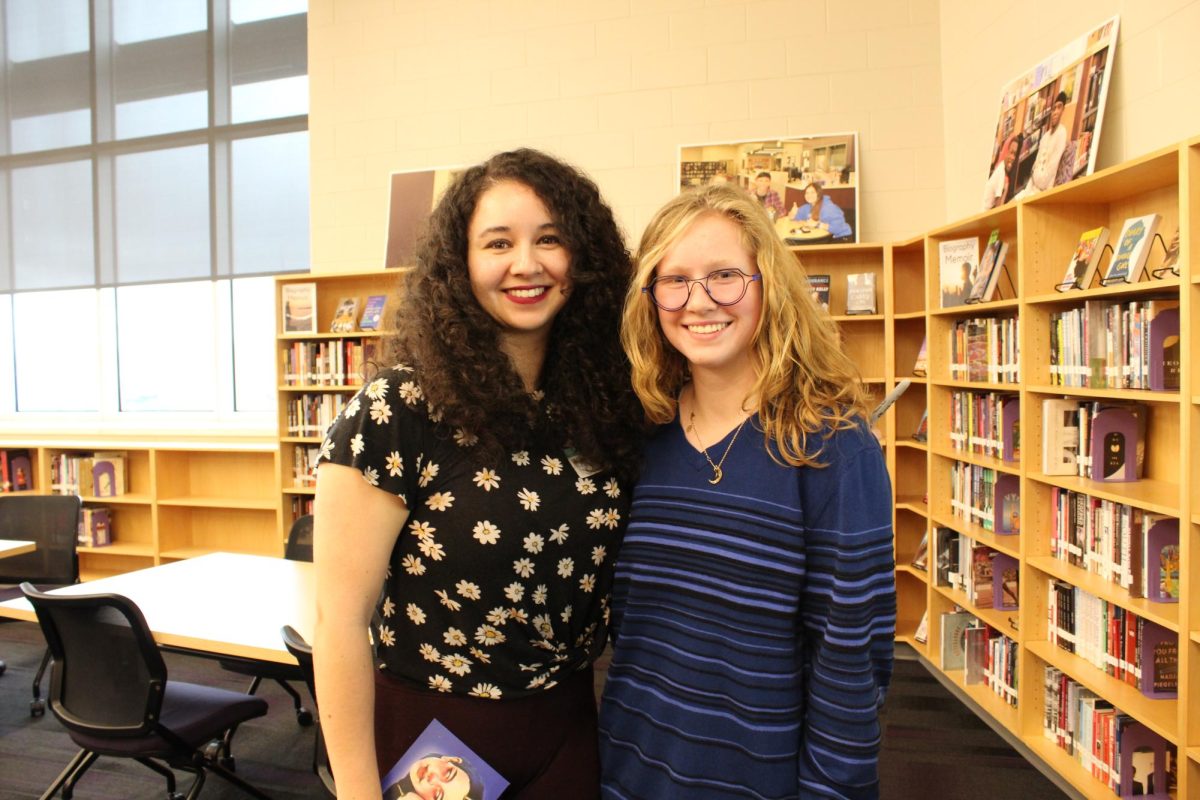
[1007,505]
[1162,560]
[1160,660]
[1114,444]
[1005,582]
[1143,766]
[1164,350]
[1010,424]
[438,763]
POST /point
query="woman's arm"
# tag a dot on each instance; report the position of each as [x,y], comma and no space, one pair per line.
[354,528]
[834,218]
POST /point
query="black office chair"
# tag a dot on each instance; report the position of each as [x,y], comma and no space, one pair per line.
[299,548]
[109,688]
[302,652]
[52,521]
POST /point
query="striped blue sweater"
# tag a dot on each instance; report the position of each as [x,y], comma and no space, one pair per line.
[753,624]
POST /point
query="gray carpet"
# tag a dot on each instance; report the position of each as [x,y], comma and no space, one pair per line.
[934,746]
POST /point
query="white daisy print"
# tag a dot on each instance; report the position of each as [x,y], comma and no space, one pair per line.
[464,439]
[487,479]
[611,488]
[539,594]
[498,615]
[488,691]
[565,567]
[596,518]
[388,608]
[387,636]
[537,681]
[421,529]
[377,388]
[454,637]
[440,683]
[534,543]
[431,549]
[395,464]
[612,518]
[326,449]
[489,636]
[585,486]
[559,535]
[587,583]
[412,564]
[566,614]
[485,532]
[529,667]
[430,653]
[514,592]
[541,623]
[598,554]
[356,444]
[552,466]
[371,476]
[448,601]
[518,615]
[523,567]
[415,614]
[456,664]
[381,412]
[351,408]
[440,501]
[428,473]
[410,393]
[402,367]
[435,414]
[467,589]
[529,500]
[521,458]
[480,656]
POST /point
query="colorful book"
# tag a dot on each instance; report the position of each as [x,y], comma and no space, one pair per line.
[299,302]
[373,312]
[1005,582]
[860,293]
[95,527]
[1082,268]
[1007,504]
[921,365]
[953,631]
[958,263]
[982,571]
[439,764]
[1010,429]
[819,284]
[344,316]
[1162,559]
[1060,436]
[1132,249]
[990,267]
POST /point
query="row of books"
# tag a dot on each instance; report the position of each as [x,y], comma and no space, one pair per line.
[16,471]
[304,459]
[336,362]
[1114,640]
[1100,440]
[95,527]
[312,414]
[987,424]
[1123,545]
[101,474]
[1112,746]
[300,506]
[299,303]
[989,578]
[986,497]
[1129,258]
[1121,345]
[985,350]
[985,655]
[860,292]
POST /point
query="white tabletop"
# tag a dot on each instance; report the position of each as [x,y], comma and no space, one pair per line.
[227,604]
[15,547]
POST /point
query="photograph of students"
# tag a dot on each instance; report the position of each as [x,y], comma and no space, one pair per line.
[754,604]
[472,497]
[819,211]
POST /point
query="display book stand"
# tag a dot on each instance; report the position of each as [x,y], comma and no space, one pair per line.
[1044,231]
[1146,273]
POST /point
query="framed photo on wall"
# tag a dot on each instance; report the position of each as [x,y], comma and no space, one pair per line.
[808,185]
[1048,132]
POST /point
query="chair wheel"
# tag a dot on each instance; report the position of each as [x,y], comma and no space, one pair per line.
[304,717]
[37,708]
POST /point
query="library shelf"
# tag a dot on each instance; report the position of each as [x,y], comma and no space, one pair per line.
[913,504]
[1157,497]
[119,549]
[303,337]
[975,309]
[999,619]
[1007,543]
[1135,395]
[991,702]
[1118,291]
[966,456]
[240,503]
[1165,614]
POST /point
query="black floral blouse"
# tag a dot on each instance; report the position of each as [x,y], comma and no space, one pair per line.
[500,582]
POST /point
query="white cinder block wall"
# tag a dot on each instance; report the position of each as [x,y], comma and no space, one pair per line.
[1153,101]
[615,86]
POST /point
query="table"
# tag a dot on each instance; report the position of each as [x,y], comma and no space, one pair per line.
[14,547]
[219,604]
[795,229]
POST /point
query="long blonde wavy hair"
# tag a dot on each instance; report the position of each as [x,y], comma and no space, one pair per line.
[806,383]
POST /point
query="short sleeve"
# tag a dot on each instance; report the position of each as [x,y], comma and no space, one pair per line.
[381,432]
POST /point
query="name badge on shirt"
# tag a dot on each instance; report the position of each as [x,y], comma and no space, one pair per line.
[582,467]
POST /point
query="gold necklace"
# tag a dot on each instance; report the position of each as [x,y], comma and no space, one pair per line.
[717,472]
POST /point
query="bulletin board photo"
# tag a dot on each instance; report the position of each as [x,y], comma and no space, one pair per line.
[411,198]
[1048,132]
[808,185]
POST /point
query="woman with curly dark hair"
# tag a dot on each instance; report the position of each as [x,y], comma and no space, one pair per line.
[482,482]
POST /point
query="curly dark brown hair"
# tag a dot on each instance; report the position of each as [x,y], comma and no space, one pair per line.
[455,343]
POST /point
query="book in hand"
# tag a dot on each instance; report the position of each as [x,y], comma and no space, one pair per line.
[438,764]
[299,307]
[1082,268]
[860,293]
[372,312]
[819,284]
[344,316]
[1132,249]
[958,263]
[991,264]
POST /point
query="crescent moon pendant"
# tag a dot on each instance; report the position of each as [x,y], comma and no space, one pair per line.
[717,477]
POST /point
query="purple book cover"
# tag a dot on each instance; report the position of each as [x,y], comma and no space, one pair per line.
[1114,444]
[1005,582]
[1010,423]
[1007,505]
[438,764]
[20,471]
[1164,350]
[1162,561]
[1160,661]
[1143,762]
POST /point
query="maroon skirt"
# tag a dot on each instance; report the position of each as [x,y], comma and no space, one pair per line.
[544,745]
